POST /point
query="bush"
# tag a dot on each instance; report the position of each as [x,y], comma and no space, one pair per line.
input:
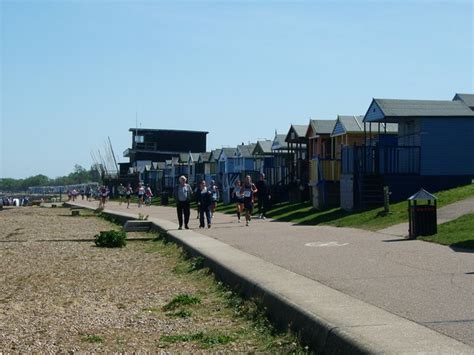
[111,239]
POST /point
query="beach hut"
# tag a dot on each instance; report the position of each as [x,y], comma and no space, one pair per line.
[432,150]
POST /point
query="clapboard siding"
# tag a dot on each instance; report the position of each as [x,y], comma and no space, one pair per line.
[373,113]
[409,132]
[338,129]
[447,146]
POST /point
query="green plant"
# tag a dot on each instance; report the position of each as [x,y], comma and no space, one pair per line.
[182,313]
[91,338]
[197,263]
[181,300]
[111,239]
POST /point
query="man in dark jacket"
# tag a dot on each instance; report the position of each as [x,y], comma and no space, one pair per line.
[263,195]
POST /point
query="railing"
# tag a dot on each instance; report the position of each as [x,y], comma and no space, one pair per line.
[383,160]
[324,169]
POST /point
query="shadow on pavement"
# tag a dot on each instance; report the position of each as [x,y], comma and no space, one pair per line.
[398,240]
[70,240]
[463,247]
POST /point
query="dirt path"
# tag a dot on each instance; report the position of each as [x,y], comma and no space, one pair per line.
[59,293]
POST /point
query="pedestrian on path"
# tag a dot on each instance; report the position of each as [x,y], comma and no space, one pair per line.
[182,194]
[214,196]
[121,192]
[128,194]
[263,196]
[249,191]
[103,193]
[148,195]
[196,189]
[141,194]
[88,193]
[203,198]
[239,198]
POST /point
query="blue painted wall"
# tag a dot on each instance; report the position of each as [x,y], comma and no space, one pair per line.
[447,146]
[248,164]
[230,165]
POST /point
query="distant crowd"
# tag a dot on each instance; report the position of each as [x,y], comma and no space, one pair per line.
[14,201]
[245,194]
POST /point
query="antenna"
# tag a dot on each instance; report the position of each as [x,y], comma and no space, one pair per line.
[113,155]
[102,161]
[136,131]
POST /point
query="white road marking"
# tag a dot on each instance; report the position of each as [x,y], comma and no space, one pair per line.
[329,244]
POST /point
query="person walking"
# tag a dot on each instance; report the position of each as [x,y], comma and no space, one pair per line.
[249,190]
[239,198]
[128,194]
[88,193]
[141,194]
[103,193]
[121,192]
[263,196]
[148,195]
[203,198]
[182,194]
[214,197]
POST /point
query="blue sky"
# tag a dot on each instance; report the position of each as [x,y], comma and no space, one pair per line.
[75,72]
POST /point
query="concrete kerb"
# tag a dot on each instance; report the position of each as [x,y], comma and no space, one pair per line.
[327,320]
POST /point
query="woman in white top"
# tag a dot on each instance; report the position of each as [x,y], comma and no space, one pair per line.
[141,194]
[239,198]
[249,190]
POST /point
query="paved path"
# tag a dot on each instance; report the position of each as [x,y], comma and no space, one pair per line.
[427,283]
[444,214]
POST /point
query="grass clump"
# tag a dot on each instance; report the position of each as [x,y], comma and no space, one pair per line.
[203,339]
[111,239]
[181,300]
[91,338]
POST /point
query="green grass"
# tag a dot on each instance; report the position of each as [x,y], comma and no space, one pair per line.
[93,338]
[303,213]
[458,233]
[181,300]
[205,340]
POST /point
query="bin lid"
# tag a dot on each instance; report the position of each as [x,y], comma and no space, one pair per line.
[422,195]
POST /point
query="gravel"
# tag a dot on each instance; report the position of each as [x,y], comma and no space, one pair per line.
[60,293]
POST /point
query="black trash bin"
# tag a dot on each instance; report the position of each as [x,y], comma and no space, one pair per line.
[164,198]
[422,218]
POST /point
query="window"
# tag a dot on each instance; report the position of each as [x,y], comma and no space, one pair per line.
[139,139]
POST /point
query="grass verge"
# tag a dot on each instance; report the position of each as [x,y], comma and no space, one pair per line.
[458,233]
[303,213]
[236,324]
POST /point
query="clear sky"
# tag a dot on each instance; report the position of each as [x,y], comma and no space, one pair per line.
[75,72]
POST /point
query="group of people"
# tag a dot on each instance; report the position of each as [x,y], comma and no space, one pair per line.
[206,198]
[143,192]
[89,193]
[14,201]
[244,195]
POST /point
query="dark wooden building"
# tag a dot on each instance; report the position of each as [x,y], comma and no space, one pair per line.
[158,145]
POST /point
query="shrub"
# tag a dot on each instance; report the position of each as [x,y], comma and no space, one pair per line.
[111,239]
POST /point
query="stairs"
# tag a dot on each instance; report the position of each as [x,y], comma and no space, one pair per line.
[137,226]
[371,191]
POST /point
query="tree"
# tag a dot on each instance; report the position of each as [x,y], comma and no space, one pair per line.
[79,176]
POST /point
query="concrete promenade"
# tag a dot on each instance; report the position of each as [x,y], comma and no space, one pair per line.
[380,293]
